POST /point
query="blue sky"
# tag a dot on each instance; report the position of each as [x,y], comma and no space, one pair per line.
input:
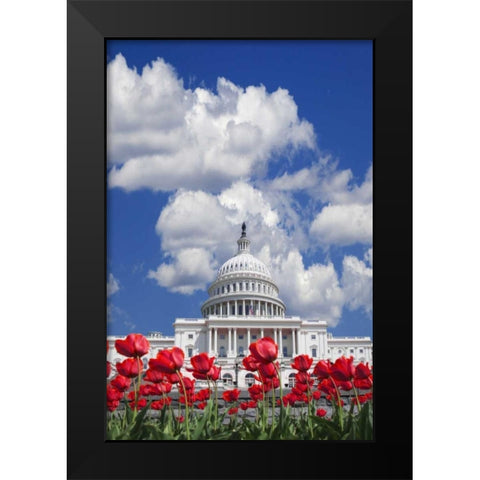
[205,134]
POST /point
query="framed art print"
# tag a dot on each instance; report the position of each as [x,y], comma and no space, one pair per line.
[233,170]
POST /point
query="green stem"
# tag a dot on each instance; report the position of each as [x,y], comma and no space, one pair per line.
[273,408]
[282,411]
[356,396]
[137,387]
[309,410]
[186,404]
[216,406]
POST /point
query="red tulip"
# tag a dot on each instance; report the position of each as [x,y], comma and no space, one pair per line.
[343,370]
[321,412]
[113,394]
[244,406]
[304,378]
[327,386]
[188,384]
[302,363]
[130,367]
[157,404]
[112,405]
[147,390]
[250,363]
[346,386]
[164,387]
[121,383]
[203,395]
[316,394]
[267,370]
[173,378]
[322,369]
[269,383]
[264,350]
[140,404]
[363,384]
[362,371]
[201,363]
[231,395]
[201,405]
[289,399]
[154,376]
[168,360]
[134,345]
[298,391]
[233,411]
[180,419]
[256,392]
[362,398]
[303,387]
[213,374]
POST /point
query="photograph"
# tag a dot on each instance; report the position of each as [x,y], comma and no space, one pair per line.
[239,239]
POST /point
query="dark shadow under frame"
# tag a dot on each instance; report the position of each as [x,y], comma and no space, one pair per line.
[388,24]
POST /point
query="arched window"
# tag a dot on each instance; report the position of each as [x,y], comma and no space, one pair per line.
[222,352]
[227,379]
[249,379]
[291,380]
[240,351]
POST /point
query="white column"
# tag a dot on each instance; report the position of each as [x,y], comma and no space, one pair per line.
[235,341]
[221,308]
[280,346]
[275,336]
[261,332]
[243,309]
[228,308]
[236,307]
[215,340]
[229,341]
[209,340]
[294,341]
[248,337]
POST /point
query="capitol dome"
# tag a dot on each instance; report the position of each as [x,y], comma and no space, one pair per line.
[244,263]
[243,287]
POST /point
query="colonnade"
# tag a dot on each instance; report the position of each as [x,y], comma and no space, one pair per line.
[245,308]
[234,332]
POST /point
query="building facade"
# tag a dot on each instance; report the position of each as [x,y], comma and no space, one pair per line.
[243,306]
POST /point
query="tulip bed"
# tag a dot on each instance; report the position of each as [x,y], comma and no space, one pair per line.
[141,406]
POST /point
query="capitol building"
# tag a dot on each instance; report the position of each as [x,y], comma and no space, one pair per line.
[244,305]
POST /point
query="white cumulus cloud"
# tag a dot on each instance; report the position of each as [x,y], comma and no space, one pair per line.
[343,225]
[189,271]
[163,136]
[357,280]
